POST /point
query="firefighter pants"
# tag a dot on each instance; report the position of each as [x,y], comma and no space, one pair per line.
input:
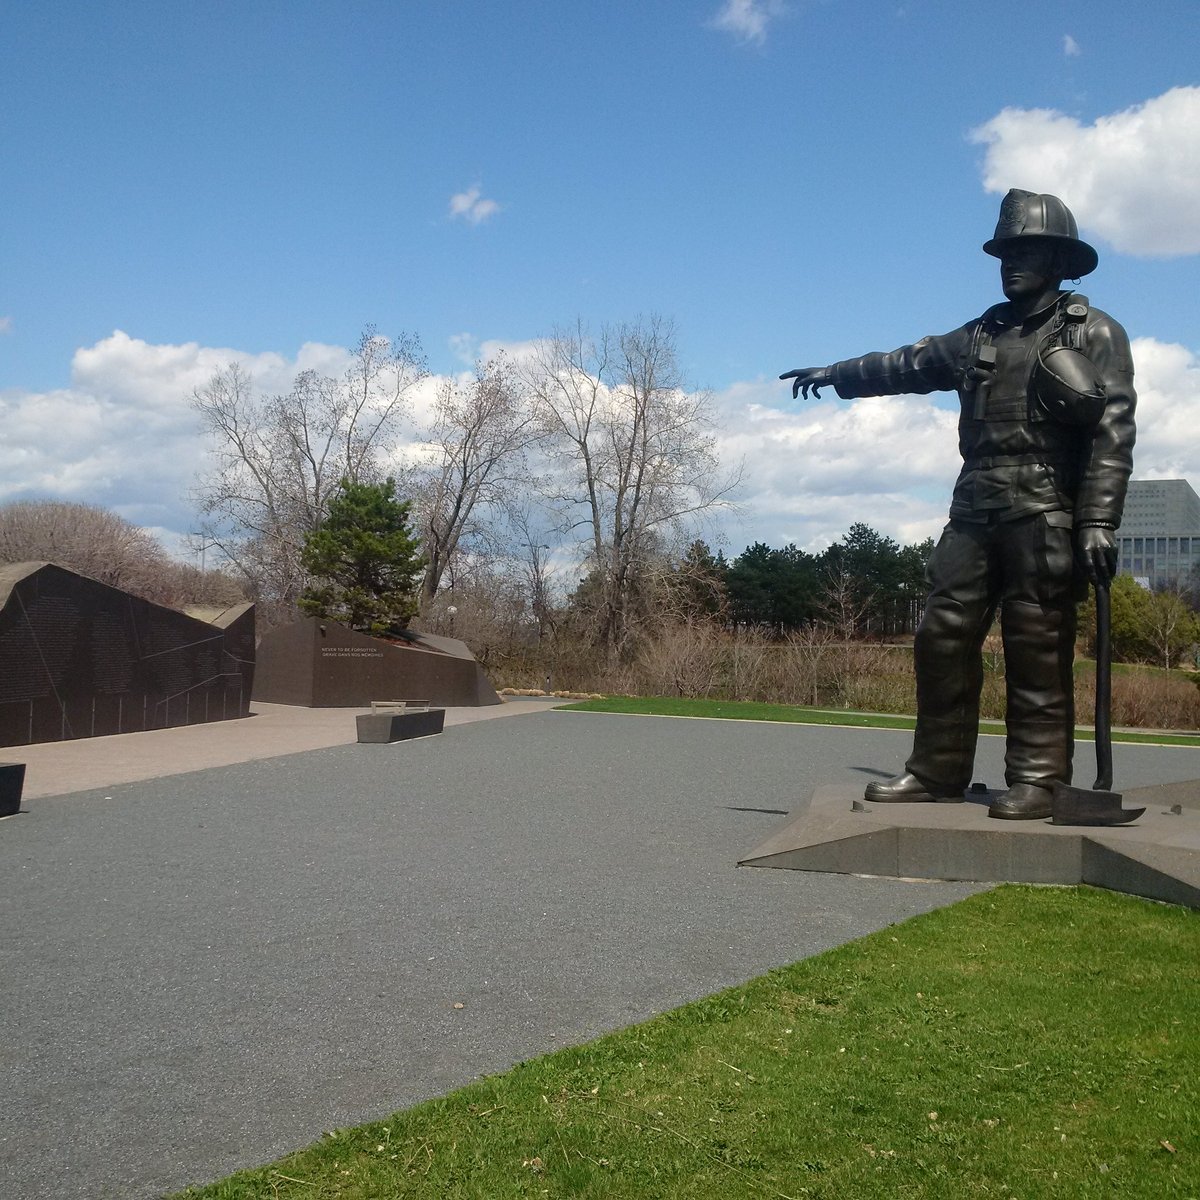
[1026,568]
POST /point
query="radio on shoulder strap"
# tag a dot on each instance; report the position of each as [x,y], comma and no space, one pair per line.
[1071,326]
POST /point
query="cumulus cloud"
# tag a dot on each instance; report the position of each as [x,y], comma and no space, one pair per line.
[812,471]
[122,435]
[1167,377]
[1071,47]
[1133,177]
[746,20]
[469,349]
[470,206]
[515,351]
[465,347]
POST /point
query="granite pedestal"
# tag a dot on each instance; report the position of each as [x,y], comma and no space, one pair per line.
[1157,856]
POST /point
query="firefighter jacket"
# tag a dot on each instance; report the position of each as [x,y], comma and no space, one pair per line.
[1017,459]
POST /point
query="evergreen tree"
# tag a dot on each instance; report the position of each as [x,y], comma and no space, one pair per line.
[913,588]
[364,560]
[865,574]
[775,589]
[867,567]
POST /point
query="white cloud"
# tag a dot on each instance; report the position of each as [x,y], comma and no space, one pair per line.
[471,206]
[469,349]
[747,20]
[422,401]
[122,435]
[465,347]
[6,324]
[1167,378]
[1071,47]
[814,469]
[515,351]
[1133,177]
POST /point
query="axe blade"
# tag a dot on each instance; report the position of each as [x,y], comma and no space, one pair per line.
[1079,806]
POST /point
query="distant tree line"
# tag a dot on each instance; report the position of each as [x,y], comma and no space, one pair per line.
[864,585]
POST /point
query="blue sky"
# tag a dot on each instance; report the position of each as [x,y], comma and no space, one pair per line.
[792,182]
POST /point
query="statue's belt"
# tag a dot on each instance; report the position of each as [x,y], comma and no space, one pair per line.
[1015,460]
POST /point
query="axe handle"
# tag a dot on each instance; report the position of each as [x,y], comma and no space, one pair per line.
[1104,771]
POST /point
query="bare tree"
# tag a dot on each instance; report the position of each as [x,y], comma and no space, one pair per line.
[527,534]
[278,459]
[812,645]
[104,546]
[633,453]
[92,541]
[480,434]
[486,608]
[843,603]
[1171,626]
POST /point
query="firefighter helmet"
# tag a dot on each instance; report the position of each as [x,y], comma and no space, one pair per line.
[1068,387]
[1030,215]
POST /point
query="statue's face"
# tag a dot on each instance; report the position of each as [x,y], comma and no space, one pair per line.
[1028,269]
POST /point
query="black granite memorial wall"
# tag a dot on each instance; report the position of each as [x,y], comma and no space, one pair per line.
[321,664]
[81,659]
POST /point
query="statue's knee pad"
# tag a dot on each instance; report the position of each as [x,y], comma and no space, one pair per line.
[944,619]
[942,631]
[1022,618]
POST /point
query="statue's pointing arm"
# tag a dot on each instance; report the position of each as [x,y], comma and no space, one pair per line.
[931,365]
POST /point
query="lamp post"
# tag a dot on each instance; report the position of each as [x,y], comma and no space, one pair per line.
[205,542]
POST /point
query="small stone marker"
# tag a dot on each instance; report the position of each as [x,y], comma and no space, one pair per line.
[12,783]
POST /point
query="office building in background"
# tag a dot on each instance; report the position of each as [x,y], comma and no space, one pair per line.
[1159,537]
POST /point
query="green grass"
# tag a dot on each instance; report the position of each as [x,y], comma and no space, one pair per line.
[745,710]
[1023,1043]
[739,710]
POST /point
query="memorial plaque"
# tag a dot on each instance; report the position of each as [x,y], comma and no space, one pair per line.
[321,664]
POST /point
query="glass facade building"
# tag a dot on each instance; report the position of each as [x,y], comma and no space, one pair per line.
[1159,537]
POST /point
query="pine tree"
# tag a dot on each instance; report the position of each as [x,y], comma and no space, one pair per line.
[364,560]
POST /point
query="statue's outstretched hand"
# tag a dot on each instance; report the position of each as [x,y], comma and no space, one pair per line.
[804,378]
[1098,553]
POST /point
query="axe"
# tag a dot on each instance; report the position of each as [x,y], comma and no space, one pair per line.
[1101,805]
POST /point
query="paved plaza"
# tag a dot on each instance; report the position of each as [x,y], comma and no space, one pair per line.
[204,970]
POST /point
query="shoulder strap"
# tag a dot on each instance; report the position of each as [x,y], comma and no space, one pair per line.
[981,336]
[1070,322]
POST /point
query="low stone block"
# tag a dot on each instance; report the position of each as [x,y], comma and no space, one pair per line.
[400,726]
[12,782]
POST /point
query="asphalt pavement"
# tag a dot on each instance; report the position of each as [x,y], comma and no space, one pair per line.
[203,971]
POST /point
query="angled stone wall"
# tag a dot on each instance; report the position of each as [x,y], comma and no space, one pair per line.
[321,664]
[81,659]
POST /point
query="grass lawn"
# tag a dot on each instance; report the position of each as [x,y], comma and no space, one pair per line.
[1027,1042]
[746,710]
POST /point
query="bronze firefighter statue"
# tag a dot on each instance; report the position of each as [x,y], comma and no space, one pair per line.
[1046,435]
